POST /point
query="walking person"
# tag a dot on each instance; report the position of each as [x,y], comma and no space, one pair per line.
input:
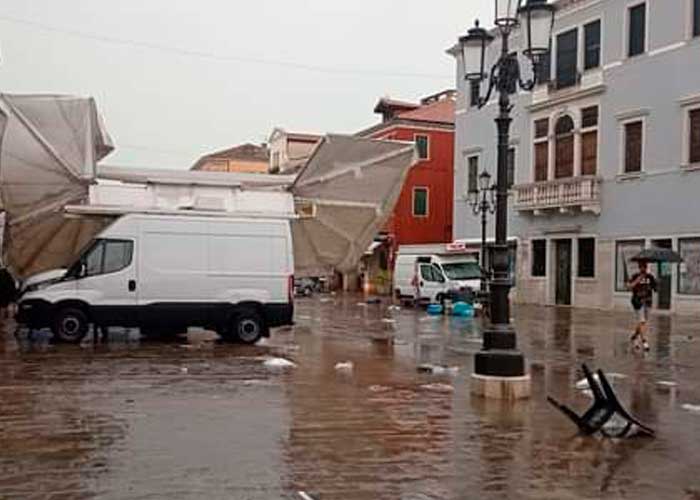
[643,285]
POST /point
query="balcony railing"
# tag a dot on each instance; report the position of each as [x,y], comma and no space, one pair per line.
[565,195]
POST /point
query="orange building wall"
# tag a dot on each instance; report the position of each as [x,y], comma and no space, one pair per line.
[436,174]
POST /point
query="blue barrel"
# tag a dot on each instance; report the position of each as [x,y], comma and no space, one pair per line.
[434,309]
[463,310]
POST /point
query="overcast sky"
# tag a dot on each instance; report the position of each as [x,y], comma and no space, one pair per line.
[176,79]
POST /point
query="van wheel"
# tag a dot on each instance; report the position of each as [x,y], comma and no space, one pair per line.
[70,325]
[248,327]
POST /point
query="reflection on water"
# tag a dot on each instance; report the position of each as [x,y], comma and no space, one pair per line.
[201,419]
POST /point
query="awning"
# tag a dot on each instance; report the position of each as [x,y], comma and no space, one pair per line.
[345,194]
[49,146]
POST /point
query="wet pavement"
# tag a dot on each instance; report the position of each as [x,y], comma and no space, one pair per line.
[202,419]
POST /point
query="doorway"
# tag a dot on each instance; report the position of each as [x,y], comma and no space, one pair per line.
[664,277]
[563,259]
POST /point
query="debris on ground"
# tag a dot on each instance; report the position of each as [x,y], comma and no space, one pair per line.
[345,367]
[438,370]
[278,363]
[691,408]
[379,388]
[438,387]
[390,321]
[583,384]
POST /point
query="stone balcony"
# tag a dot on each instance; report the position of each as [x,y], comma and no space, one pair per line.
[572,194]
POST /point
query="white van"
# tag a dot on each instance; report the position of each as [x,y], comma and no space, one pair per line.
[434,275]
[164,273]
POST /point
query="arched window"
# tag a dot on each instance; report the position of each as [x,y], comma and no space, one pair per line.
[564,147]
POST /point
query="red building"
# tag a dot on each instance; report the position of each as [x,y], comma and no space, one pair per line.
[423,213]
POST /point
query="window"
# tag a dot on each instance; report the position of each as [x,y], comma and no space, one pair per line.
[589,140]
[591,55]
[510,178]
[586,258]
[108,256]
[544,68]
[564,148]
[696,17]
[539,258]
[689,269]
[624,267]
[420,202]
[567,56]
[423,145]
[694,139]
[429,272]
[541,149]
[117,256]
[633,146]
[636,42]
[93,260]
[474,93]
[473,173]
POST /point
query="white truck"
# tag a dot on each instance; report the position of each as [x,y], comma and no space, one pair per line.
[430,277]
[169,272]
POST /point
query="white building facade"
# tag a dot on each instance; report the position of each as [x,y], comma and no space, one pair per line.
[605,155]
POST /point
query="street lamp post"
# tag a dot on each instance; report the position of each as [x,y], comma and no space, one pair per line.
[499,368]
[483,203]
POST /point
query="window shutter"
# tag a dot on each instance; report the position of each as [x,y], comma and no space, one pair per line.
[541,161]
[592,43]
[633,147]
[695,136]
[637,33]
[567,54]
[473,173]
[511,168]
[564,148]
[541,128]
[589,153]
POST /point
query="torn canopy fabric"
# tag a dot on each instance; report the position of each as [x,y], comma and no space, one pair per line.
[49,146]
[344,195]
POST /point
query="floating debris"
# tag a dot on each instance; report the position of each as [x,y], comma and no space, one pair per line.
[184,370]
[346,367]
[691,408]
[438,387]
[389,321]
[278,363]
[582,384]
[379,388]
[438,370]
[667,384]
[394,308]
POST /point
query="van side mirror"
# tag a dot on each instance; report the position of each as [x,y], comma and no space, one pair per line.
[82,269]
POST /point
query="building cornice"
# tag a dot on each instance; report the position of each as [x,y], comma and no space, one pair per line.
[413,124]
[561,98]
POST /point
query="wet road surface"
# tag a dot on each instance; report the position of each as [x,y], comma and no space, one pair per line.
[202,419]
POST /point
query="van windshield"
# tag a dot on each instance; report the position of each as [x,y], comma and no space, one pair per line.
[462,271]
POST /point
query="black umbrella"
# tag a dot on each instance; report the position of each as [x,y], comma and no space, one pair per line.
[656,254]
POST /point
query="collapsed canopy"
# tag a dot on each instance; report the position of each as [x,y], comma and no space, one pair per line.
[49,146]
[345,194]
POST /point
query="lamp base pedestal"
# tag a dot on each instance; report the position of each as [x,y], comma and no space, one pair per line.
[501,388]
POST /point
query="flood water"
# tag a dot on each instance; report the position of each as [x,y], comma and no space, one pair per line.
[198,418]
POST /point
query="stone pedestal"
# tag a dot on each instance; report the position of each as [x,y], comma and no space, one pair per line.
[502,388]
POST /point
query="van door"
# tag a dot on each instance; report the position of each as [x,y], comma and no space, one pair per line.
[431,282]
[107,282]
